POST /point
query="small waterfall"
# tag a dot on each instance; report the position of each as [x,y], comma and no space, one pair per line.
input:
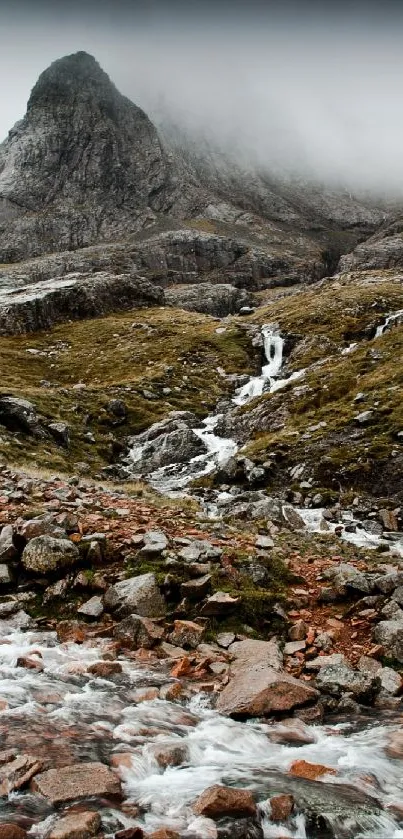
[273,349]
[395,318]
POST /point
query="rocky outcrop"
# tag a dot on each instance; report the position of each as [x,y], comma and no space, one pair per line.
[84,165]
[76,297]
[169,441]
[219,300]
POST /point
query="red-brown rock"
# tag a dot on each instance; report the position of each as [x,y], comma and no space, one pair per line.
[16,772]
[12,831]
[76,826]
[81,780]
[164,833]
[310,771]
[104,669]
[281,807]
[218,801]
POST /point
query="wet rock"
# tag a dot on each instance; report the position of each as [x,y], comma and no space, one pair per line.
[219,801]
[170,755]
[137,595]
[339,677]
[130,833]
[291,732]
[16,771]
[394,746]
[186,634]
[92,609]
[45,554]
[240,829]
[257,686]
[219,604]
[76,826]
[310,771]
[163,833]
[30,662]
[136,631]
[8,551]
[169,441]
[281,807]
[81,780]
[71,631]
[198,588]
[105,669]
[12,831]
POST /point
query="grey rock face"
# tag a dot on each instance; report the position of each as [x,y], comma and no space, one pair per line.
[76,297]
[45,554]
[137,595]
[169,441]
[93,608]
[219,300]
[19,415]
[82,165]
[8,551]
[136,631]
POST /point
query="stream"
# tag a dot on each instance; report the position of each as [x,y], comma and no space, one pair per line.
[65,715]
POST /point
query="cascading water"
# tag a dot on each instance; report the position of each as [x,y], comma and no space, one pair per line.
[175,477]
[394,318]
[66,714]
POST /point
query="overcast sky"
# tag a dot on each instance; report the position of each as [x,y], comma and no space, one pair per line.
[312,86]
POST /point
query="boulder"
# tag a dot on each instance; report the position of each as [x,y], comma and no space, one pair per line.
[347,579]
[105,669]
[45,554]
[339,677]
[12,831]
[137,595]
[16,770]
[80,825]
[155,542]
[41,526]
[8,551]
[20,415]
[219,801]
[310,771]
[170,755]
[281,807]
[218,299]
[219,604]
[258,686]
[389,634]
[136,631]
[198,588]
[170,441]
[200,550]
[60,432]
[92,609]
[81,780]
[186,634]
[387,583]
[6,575]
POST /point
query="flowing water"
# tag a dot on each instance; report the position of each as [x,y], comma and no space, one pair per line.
[66,715]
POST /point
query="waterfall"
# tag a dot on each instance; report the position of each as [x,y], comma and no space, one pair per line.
[273,345]
[395,317]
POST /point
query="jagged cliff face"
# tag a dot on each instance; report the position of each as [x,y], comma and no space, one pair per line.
[85,164]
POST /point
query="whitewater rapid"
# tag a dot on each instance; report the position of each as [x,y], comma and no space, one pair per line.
[65,713]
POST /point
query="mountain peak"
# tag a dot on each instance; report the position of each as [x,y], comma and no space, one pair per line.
[74,74]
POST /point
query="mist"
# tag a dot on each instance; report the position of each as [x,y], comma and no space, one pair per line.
[286,88]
